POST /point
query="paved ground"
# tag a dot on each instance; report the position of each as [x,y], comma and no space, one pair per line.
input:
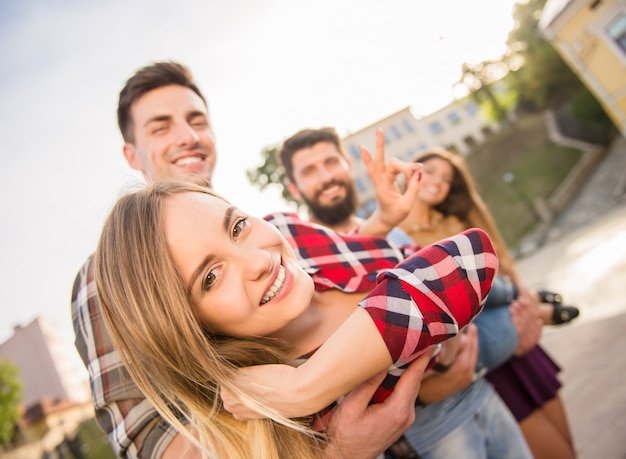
[585,260]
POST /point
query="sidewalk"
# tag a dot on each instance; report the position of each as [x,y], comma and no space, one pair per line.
[585,259]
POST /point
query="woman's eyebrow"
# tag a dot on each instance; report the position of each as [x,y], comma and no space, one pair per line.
[228,216]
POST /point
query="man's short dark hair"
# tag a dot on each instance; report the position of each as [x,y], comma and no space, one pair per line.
[145,80]
[304,139]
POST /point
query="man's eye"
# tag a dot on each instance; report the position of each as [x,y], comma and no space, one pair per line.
[209,281]
[198,122]
[239,226]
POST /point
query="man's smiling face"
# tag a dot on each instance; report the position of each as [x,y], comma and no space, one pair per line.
[172,134]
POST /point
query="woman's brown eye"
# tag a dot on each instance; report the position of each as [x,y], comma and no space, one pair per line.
[238,228]
[209,280]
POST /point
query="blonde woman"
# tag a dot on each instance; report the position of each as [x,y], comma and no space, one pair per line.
[192,289]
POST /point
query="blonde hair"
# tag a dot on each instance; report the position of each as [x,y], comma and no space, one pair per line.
[464,202]
[177,363]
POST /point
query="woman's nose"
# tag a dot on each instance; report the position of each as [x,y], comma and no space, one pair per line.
[257,263]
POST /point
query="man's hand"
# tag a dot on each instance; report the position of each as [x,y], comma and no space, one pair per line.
[393,205]
[358,429]
[439,386]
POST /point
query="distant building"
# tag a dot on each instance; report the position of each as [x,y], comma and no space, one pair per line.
[457,127]
[45,367]
[590,36]
[48,423]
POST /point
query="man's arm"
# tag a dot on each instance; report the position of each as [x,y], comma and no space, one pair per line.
[361,430]
[132,425]
[439,386]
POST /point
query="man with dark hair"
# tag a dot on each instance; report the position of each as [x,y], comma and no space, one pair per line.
[319,175]
[164,120]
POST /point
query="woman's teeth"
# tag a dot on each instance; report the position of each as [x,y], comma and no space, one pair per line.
[276,286]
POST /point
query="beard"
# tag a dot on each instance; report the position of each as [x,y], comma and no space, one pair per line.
[337,212]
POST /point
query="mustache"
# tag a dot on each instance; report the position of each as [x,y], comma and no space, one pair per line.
[327,185]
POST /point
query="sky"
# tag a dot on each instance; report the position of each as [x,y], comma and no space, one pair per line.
[267,67]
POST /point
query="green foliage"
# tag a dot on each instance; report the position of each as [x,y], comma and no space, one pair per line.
[269,172]
[479,80]
[506,103]
[543,76]
[94,441]
[10,398]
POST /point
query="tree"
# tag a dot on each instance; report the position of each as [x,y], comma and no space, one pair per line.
[480,80]
[270,171]
[10,398]
[543,76]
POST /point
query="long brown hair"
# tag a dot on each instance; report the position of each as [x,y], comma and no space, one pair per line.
[177,363]
[464,202]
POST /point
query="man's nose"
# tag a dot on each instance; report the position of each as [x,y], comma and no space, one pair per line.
[186,135]
[325,174]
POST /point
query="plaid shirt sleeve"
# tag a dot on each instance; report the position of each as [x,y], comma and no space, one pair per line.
[343,261]
[423,300]
[133,427]
[430,296]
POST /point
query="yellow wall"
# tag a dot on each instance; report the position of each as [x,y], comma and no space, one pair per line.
[594,60]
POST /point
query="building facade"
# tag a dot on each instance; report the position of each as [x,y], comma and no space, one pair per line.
[590,36]
[45,367]
[457,127]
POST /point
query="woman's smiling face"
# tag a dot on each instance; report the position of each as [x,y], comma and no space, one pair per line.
[437,176]
[241,274]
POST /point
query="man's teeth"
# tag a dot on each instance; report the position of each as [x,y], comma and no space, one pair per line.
[188,160]
[276,286]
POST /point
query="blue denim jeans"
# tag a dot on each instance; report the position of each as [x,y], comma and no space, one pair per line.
[497,337]
[492,433]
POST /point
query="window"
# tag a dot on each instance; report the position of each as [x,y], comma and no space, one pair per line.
[409,155]
[354,151]
[396,131]
[616,29]
[453,118]
[366,209]
[361,213]
[436,127]
[360,187]
[469,141]
[471,108]
[408,126]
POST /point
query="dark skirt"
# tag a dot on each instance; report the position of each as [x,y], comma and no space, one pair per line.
[526,383]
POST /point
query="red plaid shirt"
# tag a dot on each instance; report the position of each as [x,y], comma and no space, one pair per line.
[447,289]
[415,303]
